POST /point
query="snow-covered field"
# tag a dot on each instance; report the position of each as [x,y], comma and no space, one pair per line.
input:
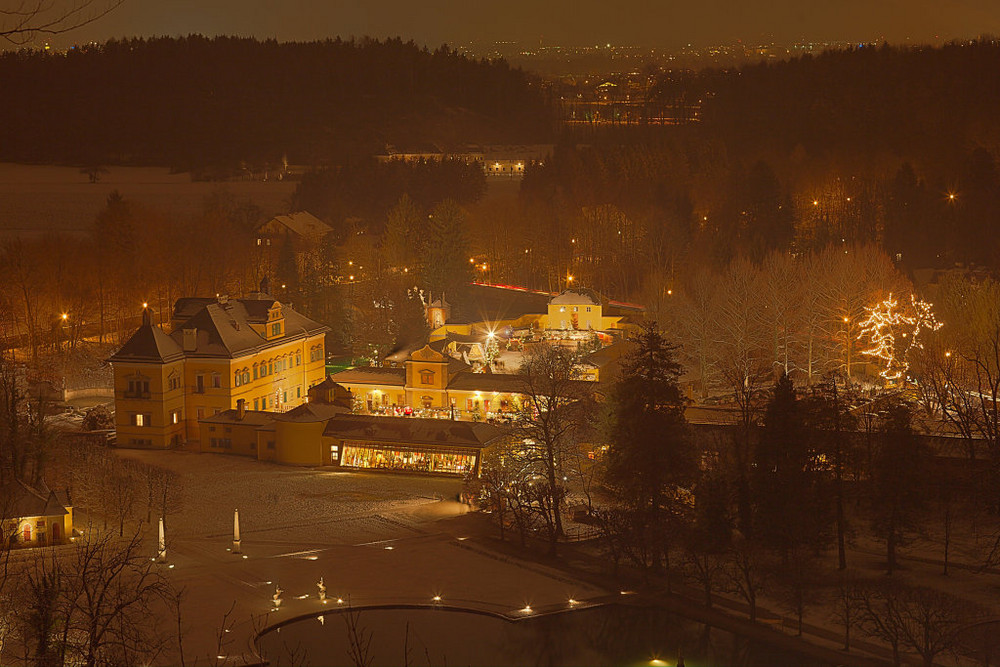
[37,199]
[285,503]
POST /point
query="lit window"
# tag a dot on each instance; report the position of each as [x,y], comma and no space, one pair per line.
[140,420]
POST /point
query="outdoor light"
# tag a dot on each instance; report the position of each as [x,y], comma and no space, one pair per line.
[815,202]
[436,598]
[947,354]
[572,601]
[340,600]
[389,548]
[145,305]
[527,609]
[64,316]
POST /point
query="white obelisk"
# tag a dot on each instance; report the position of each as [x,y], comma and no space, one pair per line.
[236,531]
[161,550]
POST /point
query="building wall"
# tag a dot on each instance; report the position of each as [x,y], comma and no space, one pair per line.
[158,406]
[42,526]
[234,438]
[302,364]
[300,443]
[580,317]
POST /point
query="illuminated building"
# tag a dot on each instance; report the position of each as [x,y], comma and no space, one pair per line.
[219,351]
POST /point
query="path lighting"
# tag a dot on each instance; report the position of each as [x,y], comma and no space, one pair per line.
[64,317]
[815,202]
[527,609]
[436,598]
[572,602]
[145,304]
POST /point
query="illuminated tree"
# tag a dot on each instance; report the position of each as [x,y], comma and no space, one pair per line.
[893,332]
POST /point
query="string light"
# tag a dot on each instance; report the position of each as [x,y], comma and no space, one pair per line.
[886,322]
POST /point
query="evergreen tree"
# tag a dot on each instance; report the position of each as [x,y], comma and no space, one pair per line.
[446,251]
[897,485]
[790,507]
[401,230]
[650,457]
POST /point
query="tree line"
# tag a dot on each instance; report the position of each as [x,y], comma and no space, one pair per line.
[197,102]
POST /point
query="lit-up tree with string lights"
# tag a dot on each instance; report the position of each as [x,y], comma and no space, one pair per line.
[893,330]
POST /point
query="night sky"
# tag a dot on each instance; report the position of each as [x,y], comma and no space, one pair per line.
[666,23]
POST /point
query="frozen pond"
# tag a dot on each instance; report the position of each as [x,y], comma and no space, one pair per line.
[606,635]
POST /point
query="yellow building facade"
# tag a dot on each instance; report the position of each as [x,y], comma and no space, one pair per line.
[34,519]
[219,352]
[325,435]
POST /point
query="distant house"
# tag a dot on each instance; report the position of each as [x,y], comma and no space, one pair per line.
[303,228]
[31,518]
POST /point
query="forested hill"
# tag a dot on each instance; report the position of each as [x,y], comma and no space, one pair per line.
[195,102]
[924,103]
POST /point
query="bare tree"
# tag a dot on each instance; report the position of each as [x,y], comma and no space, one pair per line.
[923,620]
[746,573]
[548,417]
[23,21]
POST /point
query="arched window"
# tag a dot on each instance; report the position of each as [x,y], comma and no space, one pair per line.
[246,376]
[298,358]
[238,379]
[255,371]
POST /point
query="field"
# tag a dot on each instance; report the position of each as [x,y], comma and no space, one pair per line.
[37,199]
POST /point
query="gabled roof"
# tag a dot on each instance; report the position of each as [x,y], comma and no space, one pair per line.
[311,412]
[148,344]
[577,297]
[18,500]
[427,353]
[404,430]
[302,223]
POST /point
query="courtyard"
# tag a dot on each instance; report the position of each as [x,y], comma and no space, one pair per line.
[373,538]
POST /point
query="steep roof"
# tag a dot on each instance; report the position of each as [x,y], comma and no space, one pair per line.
[19,500]
[441,432]
[148,344]
[224,328]
[303,223]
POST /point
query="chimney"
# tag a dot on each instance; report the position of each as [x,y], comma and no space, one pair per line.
[241,408]
[190,340]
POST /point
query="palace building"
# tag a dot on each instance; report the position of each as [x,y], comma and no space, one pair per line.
[469,368]
[219,351]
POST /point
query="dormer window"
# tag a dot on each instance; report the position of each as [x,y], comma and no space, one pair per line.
[276,329]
